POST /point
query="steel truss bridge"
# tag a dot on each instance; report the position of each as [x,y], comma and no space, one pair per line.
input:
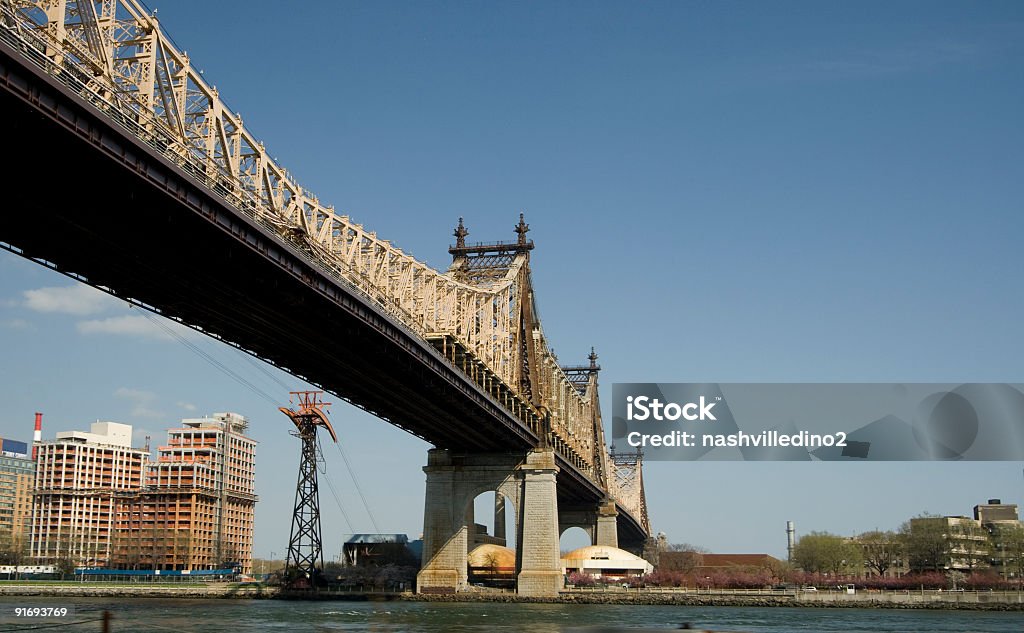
[127,171]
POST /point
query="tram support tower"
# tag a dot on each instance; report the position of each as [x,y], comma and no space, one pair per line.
[304,563]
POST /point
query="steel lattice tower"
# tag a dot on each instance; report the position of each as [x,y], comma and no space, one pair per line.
[305,561]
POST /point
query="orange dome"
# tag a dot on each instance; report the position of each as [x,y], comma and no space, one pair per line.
[488,555]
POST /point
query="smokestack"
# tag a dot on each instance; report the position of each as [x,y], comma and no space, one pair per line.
[37,435]
[790,539]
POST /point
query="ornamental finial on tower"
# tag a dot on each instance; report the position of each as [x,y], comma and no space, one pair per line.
[593,358]
[521,229]
[460,235]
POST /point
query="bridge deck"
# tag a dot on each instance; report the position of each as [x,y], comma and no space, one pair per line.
[90,200]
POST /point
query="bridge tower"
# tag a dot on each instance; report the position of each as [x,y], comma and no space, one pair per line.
[305,561]
[600,521]
[528,480]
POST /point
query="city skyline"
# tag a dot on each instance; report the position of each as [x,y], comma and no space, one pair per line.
[859,222]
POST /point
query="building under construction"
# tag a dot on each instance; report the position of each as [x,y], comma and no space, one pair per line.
[196,509]
[78,483]
[98,502]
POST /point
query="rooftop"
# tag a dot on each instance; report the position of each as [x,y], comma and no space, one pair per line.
[378,538]
[103,433]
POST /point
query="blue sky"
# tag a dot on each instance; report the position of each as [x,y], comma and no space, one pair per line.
[726,191]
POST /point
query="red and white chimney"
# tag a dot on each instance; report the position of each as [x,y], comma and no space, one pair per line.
[37,435]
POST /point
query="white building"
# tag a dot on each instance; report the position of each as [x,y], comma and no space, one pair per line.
[609,562]
[78,476]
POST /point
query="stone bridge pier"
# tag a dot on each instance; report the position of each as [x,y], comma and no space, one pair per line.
[599,523]
[454,480]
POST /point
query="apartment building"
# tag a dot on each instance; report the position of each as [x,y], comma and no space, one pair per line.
[196,510]
[995,512]
[79,478]
[17,472]
[1002,521]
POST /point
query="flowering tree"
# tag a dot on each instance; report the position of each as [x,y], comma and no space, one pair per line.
[582,580]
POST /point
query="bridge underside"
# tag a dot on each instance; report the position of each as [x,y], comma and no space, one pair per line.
[90,200]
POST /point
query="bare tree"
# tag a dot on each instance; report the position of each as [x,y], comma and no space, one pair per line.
[686,547]
[491,563]
[13,549]
[682,557]
[65,559]
[183,547]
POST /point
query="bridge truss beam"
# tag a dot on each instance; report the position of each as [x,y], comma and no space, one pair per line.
[107,76]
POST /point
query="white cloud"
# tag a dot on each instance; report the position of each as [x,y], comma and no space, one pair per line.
[79,300]
[131,325]
[17,324]
[910,57]
[188,406]
[141,401]
[137,395]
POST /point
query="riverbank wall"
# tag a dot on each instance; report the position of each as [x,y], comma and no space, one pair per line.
[100,590]
[995,601]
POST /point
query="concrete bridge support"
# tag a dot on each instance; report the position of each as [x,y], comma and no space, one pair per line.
[537,555]
[499,516]
[607,529]
[453,482]
[600,523]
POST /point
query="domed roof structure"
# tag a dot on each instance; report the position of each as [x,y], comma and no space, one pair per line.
[604,560]
[489,555]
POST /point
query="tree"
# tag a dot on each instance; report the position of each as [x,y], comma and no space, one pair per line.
[956,579]
[970,545]
[685,547]
[581,580]
[13,548]
[926,543]
[682,557]
[779,570]
[820,552]
[491,563]
[1008,546]
[180,547]
[65,559]
[881,550]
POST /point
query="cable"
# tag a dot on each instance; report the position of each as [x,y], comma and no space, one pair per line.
[359,489]
[210,359]
[255,389]
[263,369]
[334,493]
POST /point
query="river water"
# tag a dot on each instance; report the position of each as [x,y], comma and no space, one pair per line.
[244,616]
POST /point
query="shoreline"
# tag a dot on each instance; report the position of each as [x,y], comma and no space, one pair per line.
[981,601]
